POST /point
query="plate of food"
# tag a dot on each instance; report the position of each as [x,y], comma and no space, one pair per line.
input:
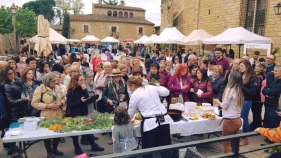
[208,115]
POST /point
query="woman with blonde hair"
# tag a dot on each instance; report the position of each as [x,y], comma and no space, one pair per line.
[218,82]
[232,104]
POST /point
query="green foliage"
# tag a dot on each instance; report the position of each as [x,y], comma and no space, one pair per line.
[275,51]
[43,7]
[6,24]
[26,23]
[77,6]
[110,2]
[66,26]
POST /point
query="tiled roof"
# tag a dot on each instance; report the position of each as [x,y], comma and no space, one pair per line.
[56,27]
[118,7]
[91,17]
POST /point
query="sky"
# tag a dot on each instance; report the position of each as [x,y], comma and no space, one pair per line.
[152,7]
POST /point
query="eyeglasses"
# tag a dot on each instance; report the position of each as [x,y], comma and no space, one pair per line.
[53,81]
[12,73]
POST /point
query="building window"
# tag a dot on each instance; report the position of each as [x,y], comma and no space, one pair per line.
[109,13]
[113,29]
[255,16]
[140,30]
[131,15]
[120,15]
[86,28]
[115,13]
[125,15]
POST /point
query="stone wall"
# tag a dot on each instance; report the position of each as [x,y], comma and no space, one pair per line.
[103,29]
[104,11]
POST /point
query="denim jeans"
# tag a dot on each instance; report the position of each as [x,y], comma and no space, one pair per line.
[245,114]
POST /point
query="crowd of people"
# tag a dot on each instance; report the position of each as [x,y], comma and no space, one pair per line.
[71,88]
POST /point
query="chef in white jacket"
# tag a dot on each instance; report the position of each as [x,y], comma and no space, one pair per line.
[155,126]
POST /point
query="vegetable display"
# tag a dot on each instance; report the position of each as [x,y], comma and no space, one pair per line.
[81,123]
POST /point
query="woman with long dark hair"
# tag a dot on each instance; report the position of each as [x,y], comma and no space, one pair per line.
[201,88]
[231,108]
[250,86]
[77,99]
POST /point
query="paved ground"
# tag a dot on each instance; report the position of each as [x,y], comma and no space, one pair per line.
[38,150]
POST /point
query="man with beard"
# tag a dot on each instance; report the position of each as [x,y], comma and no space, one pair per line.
[60,66]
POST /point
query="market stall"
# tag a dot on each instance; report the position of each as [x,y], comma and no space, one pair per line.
[140,41]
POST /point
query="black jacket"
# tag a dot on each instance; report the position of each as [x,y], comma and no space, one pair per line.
[257,96]
[269,75]
[250,88]
[218,86]
[15,105]
[74,103]
[272,90]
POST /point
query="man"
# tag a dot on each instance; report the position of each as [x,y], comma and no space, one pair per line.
[235,68]
[220,60]
[110,48]
[187,55]
[155,58]
[60,66]
[192,60]
[270,60]
[255,59]
[31,63]
[245,58]
[84,63]
[272,92]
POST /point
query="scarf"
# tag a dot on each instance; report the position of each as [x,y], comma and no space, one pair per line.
[270,66]
[155,76]
[53,92]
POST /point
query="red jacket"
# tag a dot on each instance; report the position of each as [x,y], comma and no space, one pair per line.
[207,94]
[167,76]
[175,87]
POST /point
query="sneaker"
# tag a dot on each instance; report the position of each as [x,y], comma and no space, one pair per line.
[96,147]
[96,138]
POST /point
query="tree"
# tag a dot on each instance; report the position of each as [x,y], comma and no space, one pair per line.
[66,26]
[77,6]
[43,7]
[110,2]
[6,24]
[26,23]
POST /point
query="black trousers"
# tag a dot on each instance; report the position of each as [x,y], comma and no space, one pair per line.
[101,106]
[48,144]
[159,136]
[256,110]
[275,155]
[90,138]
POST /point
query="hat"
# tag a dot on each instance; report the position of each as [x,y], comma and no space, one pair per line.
[115,72]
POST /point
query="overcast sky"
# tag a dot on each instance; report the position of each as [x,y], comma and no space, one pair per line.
[152,7]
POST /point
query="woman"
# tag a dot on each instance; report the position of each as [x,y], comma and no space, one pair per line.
[124,70]
[218,82]
[176,59]
[29,86]
[201,88]
[148,62]
[100,81]
[15,103]
[231,108]
[204,64]
[169,67]
[13,64]
[155,126]
[162,59]
[257,100]
[48,98]
[89,82]
[155,76]
[77,99]
[44,68]
[211,64]
[95,62]
[179,83]
[99,70]
[115,92]
[250,87]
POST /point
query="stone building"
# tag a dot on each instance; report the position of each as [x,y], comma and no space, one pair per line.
[216,16]
[120,22]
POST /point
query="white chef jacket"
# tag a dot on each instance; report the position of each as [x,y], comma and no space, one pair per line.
[146,100]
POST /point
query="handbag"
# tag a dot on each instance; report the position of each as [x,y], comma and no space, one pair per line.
[36,112]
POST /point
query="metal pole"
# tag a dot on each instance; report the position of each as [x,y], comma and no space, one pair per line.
[15,36]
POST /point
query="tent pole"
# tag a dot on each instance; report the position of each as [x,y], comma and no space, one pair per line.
[239,50]
[203,48]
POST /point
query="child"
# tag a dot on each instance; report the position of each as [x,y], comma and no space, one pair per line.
[123,134]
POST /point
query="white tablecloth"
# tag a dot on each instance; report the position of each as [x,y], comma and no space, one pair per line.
[191,127]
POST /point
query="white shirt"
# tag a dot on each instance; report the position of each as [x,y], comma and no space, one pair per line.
[66,80]
[146,100]
[110,47]
[209,73]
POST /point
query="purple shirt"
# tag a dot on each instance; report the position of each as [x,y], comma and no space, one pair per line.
[222,62]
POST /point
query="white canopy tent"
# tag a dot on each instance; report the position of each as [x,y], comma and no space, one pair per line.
[140,41]
[169,36]
[196,37]
[73,41]
[54,37]
[90,38]
[150,39]
[109,40]
[238,35]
